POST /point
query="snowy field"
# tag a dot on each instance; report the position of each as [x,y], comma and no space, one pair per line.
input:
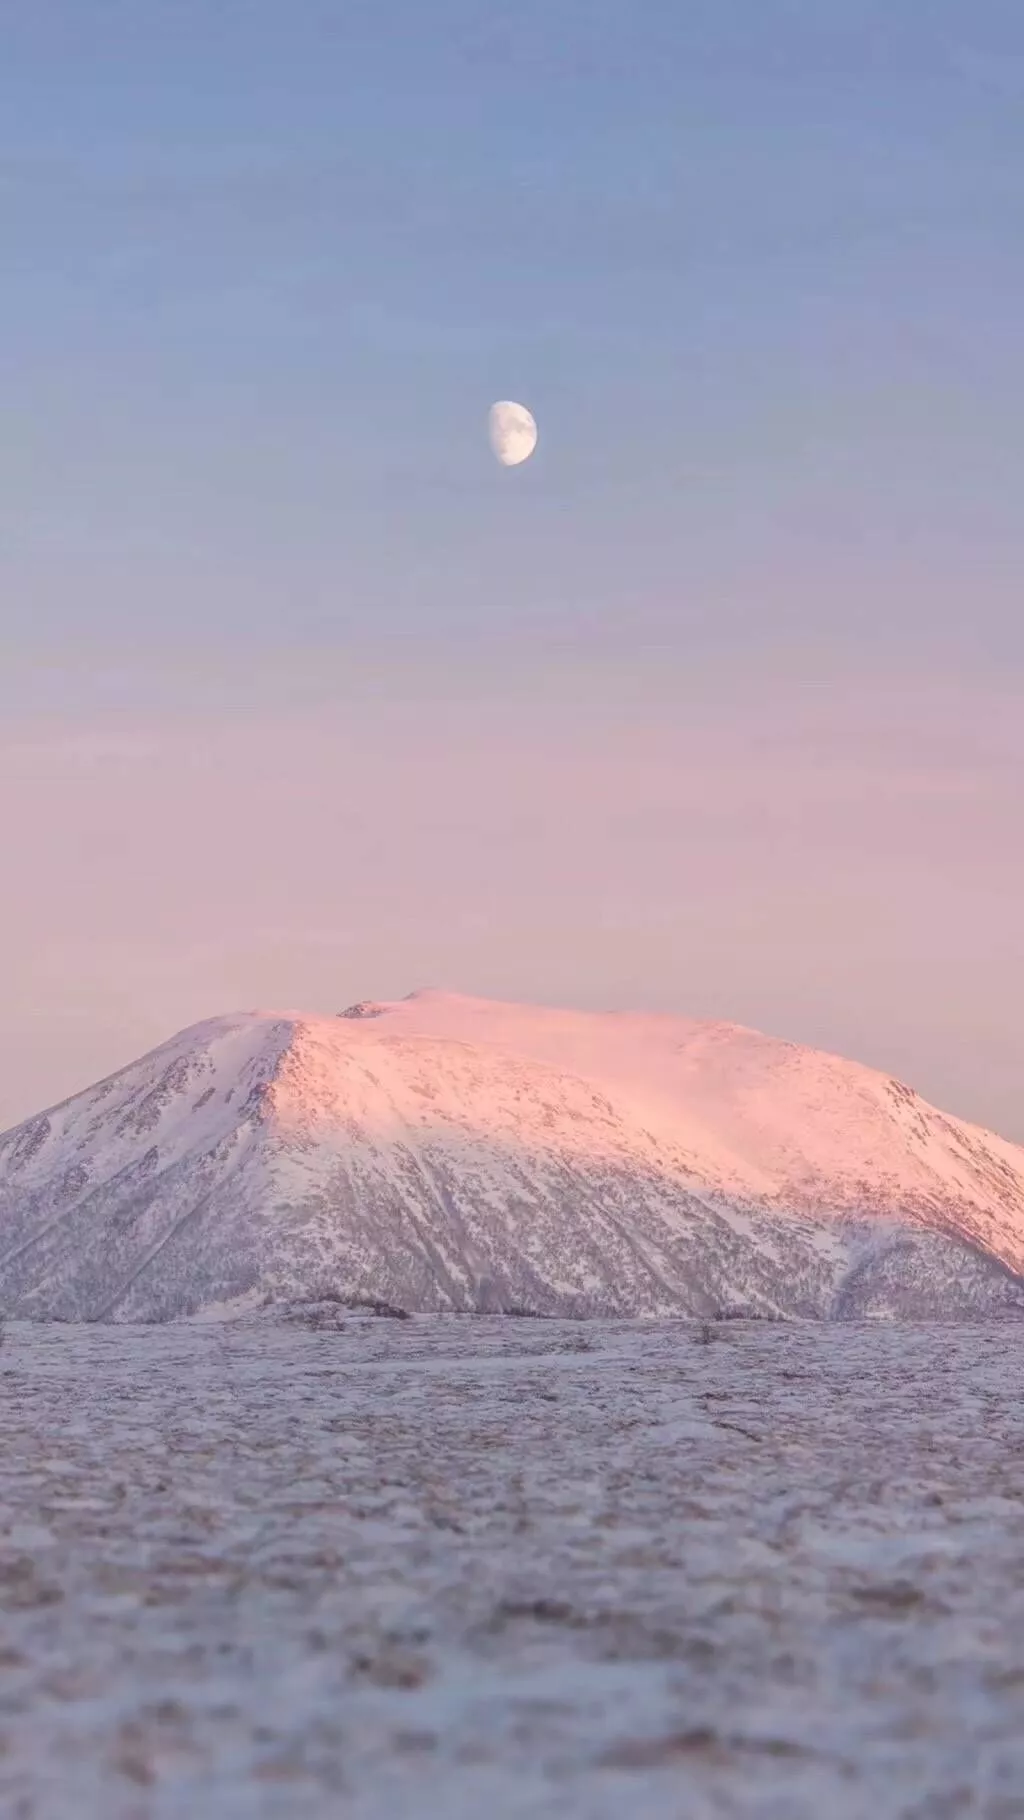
[480,1569]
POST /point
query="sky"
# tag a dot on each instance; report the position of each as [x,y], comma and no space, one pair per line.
[713,706]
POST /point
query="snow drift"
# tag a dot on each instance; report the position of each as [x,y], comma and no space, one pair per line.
[443,1153]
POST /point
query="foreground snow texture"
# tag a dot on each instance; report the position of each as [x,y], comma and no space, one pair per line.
[459,1566]
[449,1153]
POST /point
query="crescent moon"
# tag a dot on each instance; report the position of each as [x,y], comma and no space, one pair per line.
[513,432]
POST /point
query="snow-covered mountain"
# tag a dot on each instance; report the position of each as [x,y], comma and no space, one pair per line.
[451,1153]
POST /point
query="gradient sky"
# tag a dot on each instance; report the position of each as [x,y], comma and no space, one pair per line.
[714,706]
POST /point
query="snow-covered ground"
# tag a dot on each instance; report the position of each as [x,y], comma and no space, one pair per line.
[458,1567]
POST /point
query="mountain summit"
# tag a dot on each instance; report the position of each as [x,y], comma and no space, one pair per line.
[443,1153]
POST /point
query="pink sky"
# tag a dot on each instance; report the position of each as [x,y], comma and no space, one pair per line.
[840,863]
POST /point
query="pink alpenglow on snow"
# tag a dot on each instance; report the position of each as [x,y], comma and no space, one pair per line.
[450,1153]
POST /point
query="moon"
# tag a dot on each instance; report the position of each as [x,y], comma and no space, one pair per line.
[513,432]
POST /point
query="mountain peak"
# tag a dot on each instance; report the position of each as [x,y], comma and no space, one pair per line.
[440,1151]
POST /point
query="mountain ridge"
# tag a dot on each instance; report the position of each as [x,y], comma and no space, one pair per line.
[444,1152]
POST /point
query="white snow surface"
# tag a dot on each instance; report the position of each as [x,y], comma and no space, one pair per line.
[448,1153]
[304,1563]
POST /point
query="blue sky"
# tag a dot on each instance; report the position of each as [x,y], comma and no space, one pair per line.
[757,268]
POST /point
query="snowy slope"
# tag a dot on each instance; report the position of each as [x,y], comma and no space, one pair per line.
[444,1152]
